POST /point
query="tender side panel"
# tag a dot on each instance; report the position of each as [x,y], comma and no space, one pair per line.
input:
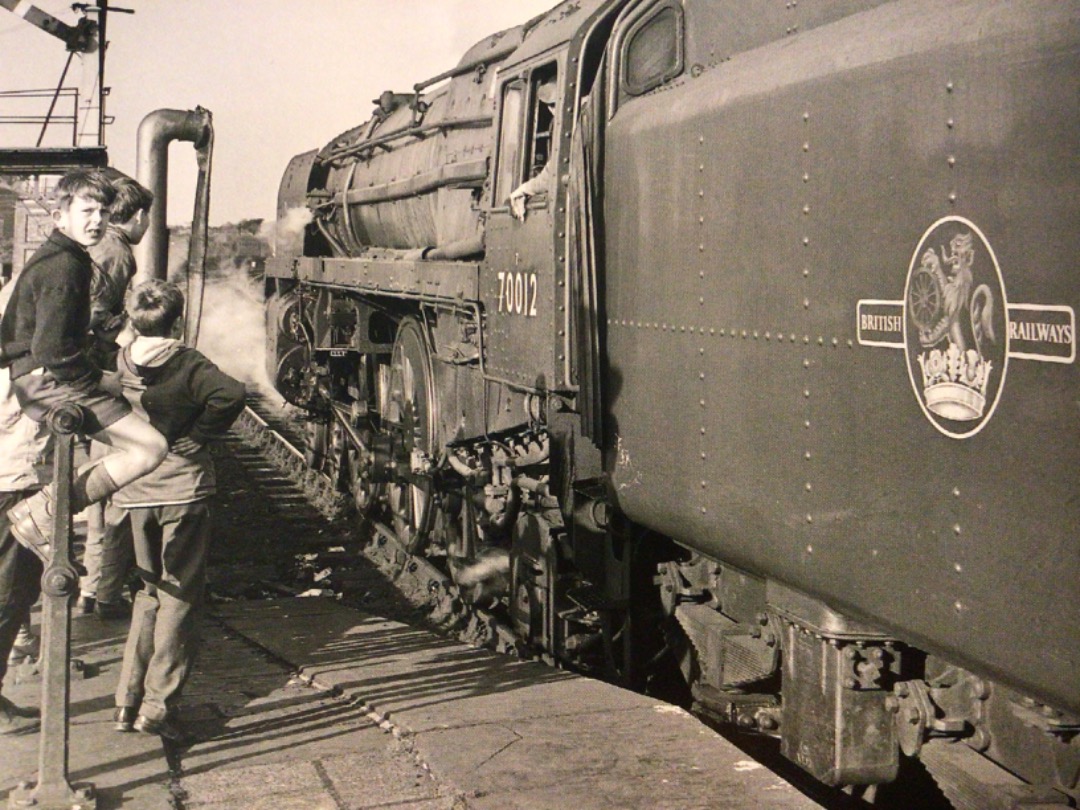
[754,213]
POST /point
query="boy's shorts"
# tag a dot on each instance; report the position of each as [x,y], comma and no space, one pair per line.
[39,391]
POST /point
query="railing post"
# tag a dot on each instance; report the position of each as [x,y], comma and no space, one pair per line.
[58,584]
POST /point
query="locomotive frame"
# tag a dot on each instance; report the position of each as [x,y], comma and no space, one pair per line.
[681,411]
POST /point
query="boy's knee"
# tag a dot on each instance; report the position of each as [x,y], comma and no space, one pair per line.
[153,451]
[159,448]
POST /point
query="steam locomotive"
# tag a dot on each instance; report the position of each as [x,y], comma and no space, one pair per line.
[771,379]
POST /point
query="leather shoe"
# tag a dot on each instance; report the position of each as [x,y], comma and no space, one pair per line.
[7,707]
[124,718]
[112,610]
[166,728]
[16,719]
[31,522]
[84,605]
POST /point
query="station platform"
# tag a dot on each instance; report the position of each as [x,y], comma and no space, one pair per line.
[305,703]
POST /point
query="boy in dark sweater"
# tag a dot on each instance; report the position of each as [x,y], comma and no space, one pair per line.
[190,401]
[43,340]
[107,554]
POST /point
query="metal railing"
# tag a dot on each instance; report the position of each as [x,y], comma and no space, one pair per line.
[51,117]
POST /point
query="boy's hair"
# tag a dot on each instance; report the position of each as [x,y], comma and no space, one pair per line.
[131,196]
[90,184]
[154,307]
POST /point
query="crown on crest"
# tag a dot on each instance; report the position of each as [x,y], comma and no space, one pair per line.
[955,382]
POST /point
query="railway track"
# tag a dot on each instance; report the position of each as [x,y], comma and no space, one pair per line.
[276,432]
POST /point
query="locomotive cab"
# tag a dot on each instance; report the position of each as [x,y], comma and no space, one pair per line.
[519,288]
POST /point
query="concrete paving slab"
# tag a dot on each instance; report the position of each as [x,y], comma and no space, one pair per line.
[507,734]
[264,738]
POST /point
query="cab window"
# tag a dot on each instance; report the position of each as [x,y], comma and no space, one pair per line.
[542,96]
[653,49]
[509,141]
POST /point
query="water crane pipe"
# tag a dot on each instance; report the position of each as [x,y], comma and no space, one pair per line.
[157,130]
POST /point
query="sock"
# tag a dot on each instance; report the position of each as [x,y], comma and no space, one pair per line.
[91,485]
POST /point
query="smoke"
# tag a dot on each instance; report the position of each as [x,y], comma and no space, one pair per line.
[286,234]
[233,332]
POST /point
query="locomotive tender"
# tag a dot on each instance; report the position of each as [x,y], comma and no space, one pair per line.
[776,379]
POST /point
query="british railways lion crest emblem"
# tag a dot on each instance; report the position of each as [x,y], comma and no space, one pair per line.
[955,328]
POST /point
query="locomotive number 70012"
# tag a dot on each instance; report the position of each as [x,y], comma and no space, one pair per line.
[517,293]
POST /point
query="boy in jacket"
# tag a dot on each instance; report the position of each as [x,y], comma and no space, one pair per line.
[43,341]
[190,401]
[25,451]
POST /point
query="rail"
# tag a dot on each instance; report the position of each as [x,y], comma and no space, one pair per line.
[415,577]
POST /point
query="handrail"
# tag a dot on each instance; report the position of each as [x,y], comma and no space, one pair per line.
[411,131]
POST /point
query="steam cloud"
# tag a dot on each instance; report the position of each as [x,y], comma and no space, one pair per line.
[232,333]
[288,229]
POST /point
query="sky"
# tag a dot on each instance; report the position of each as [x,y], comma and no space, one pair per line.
[279,76]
